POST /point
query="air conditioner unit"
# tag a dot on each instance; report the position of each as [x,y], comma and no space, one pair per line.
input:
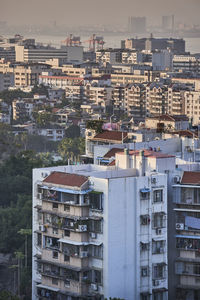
[153,180]
[82,227]
[39,195]
[94,286]
[93,235]
[177,179]
[71,224]
[158,231]
[83,254]
[156,282]
[180,226]
[42,228]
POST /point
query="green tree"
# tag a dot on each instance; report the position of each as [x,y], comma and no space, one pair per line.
[95,125]
[5,295]
[72,132]
[71,148]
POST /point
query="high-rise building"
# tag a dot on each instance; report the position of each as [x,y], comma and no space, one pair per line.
[168,23]
[137,25]
[101,231]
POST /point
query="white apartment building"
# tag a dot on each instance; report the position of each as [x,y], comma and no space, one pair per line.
[111,56]
[41,53]
[186,196]
[52,133]
[186,63]
[101,231]
[192,106]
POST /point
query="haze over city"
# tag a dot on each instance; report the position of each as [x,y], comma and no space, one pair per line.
[79,12]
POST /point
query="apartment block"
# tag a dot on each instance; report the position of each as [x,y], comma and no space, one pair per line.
[176,103]
[28,74]
[6,80]
[110,56]
[192,106]
[186,63]
[187,263]
[135,101]
[42,53]
[156,99]
[101,231]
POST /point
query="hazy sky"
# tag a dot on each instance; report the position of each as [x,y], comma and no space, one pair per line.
[96,11]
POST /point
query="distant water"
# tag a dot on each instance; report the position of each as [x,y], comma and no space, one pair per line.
[192,44]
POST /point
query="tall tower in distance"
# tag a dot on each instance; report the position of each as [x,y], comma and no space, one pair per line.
[137,25]
[168,23]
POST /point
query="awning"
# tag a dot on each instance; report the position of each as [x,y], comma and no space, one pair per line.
[187,209]
[63,190]
[145,190]
[79,243]
[159,238]
[95,243]
[188,237]
[50,288]
[73,242]
[186,185]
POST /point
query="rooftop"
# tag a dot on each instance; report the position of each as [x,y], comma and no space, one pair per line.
[148,153]
[111,136]
[66,179]
[192,178]
[112,152]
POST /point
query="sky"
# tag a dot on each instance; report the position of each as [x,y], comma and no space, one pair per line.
[83,12]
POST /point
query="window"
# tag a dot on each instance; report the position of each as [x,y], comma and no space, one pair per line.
[158,296]
[158,196]
[96,276]
[158,247]
[55,281]
[158,271]
[144,272]
[95,226]
[144,246]
[55,230]
[67,283]
[67,232]
[159,220]
[96,251]
[66,207]
[144,194]
[55,254]
[66,257]
[96,200]
[39,239]
[144,220]
[55,205]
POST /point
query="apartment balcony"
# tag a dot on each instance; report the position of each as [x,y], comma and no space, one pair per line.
[75,262]
[65,286]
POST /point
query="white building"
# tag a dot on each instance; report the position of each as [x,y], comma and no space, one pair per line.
[101,231]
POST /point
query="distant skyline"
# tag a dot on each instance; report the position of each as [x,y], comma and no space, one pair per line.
[82,12]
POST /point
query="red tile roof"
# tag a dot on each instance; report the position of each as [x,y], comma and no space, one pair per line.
[191,178]
[149,153]
[111,136]
[112,163]
[172,118]
[186,133]
[66,179]
[112,152]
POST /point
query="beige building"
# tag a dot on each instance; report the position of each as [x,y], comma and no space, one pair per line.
[156,99]
[28,74]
